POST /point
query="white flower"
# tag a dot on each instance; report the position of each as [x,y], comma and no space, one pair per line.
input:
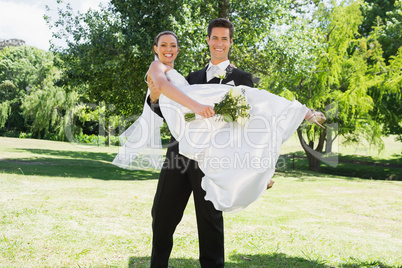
[242,120]
[235,92]
[219,73]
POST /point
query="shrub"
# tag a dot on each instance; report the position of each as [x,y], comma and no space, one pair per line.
[96,139]
[24,135]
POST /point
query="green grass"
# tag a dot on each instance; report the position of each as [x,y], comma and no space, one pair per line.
[354,160]
[65,205]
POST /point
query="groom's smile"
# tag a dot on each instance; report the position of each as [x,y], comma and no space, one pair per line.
[219,44]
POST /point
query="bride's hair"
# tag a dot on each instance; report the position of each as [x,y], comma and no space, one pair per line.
[159,35]
[220,23]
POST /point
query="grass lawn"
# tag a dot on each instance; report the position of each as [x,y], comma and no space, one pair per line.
[65,205]
[354,160]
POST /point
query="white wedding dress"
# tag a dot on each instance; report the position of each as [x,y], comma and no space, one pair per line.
[238,160]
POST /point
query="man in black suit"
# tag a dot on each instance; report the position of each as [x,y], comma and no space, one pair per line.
[181,176]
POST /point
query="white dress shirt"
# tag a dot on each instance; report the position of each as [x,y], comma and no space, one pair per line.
[223,65]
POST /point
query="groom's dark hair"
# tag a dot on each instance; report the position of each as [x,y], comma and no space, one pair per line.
[221,23]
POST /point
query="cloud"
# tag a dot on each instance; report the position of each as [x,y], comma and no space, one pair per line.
[23,19]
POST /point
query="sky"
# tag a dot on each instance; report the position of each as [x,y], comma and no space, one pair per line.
[23,19]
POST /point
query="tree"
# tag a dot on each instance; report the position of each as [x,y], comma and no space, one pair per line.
[385,13]
[22,69]
[384,19]
[345,69]
[49,110]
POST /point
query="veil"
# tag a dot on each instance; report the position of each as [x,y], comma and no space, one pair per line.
[141,146]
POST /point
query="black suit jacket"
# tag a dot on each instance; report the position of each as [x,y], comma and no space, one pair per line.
[239,77]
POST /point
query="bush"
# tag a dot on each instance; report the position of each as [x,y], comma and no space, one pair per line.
[24,135]
[50,136]
[96,139]
[11,134]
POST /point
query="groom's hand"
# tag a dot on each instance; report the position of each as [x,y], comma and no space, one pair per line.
[155,93]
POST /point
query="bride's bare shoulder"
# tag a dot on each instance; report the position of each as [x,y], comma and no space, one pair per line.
[157,66]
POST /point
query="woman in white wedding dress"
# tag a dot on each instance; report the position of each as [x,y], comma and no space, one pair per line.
[238,160]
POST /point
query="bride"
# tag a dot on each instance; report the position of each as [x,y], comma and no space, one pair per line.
[238,161]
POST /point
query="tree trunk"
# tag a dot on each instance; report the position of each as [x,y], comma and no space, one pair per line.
[313,156]
[223,6]
[314,163]
[109,133]
[329,142]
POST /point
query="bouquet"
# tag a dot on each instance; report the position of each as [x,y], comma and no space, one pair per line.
[232,107]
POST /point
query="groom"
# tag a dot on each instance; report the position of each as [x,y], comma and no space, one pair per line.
[177,181]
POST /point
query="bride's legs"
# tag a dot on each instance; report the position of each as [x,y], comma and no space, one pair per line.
[270,184]
[315,117]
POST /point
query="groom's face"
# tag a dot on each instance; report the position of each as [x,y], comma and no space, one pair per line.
[219,44]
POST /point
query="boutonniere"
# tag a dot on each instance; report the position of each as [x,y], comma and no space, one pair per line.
[219,73]
[222,74]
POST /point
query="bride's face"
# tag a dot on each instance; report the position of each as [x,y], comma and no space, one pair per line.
[167,49]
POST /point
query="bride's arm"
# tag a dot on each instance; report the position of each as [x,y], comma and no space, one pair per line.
[157,74]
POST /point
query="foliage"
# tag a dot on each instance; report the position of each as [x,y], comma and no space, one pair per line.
[391,35]
[23,70]
[25,66]
[272,37]
[385,21]
[30,100]
[49,109]
[340,73]
[4,111]
[24,135]
[105,56]
[95,139]
[386,14]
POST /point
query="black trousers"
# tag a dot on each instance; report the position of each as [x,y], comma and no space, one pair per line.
[178,178]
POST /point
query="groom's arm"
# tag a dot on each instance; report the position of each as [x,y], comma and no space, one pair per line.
[249,80]
[245,78]
[154,106]
[154,103]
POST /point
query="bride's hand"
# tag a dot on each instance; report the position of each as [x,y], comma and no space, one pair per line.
[204,110]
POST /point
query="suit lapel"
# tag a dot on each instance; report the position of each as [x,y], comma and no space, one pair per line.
[230,77]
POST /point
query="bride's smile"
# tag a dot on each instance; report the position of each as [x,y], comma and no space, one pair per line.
[167,49]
